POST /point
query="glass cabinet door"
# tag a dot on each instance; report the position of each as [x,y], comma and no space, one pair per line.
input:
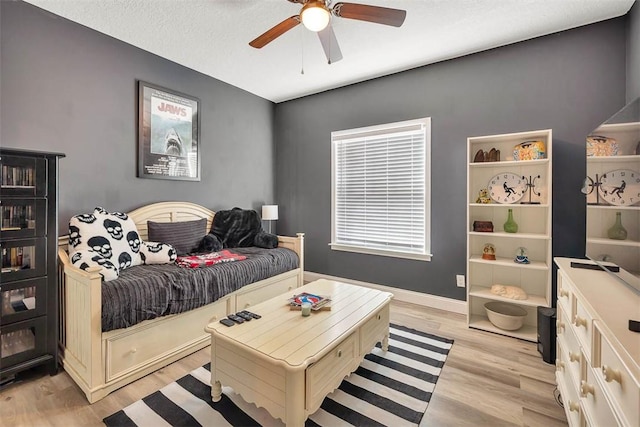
[22,300]
[23,176]
[22,218]
[21,341]
[23,259]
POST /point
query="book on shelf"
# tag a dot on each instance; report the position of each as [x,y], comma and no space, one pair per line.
[318,302]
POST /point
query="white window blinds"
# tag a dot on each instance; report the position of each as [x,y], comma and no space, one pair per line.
[380,189]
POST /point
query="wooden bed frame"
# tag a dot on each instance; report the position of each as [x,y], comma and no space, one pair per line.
[101,362]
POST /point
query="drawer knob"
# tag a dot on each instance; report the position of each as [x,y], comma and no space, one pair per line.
[339,353]
[559,365]
[586,388]
[563,293]
[379,316]
[247,305]
[611,374]
[574,357]
[134,350]
[574,406]
[579,321]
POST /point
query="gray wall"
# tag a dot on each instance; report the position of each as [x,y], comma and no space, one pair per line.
[71,89]
[569,81]
[68,88]
[633,52]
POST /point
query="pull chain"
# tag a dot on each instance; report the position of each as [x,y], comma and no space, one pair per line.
[302,52]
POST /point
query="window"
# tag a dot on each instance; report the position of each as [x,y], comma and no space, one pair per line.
[380,189]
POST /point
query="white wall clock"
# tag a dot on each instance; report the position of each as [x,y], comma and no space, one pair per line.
[507,187]
[620,187]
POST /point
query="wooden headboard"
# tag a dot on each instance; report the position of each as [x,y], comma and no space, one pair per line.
[169,212]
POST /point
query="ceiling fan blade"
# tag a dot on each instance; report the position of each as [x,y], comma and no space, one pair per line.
[377,14]
[330,45]
[275,32]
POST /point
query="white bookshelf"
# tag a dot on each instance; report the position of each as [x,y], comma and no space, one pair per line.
[534,232]
[601,215]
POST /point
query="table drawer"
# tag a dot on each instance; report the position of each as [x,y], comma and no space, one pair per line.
[144,343]
[596,407]
[325,375]
[264,292]
[374,330]
[617,379]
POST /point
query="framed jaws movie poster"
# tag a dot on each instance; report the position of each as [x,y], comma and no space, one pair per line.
[168,134]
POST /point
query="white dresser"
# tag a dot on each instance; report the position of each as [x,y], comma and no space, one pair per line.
[598,357]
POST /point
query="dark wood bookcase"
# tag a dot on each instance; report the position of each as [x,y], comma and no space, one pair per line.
[28,246]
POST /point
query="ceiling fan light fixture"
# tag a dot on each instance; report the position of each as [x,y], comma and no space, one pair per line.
[315,15]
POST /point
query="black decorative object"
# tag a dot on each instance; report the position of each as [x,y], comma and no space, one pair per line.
[531,184]
[592,186]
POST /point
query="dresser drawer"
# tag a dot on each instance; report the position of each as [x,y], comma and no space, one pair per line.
[565,293]
[263,292]
[326,375]
[374,330]
[568,389]
[596,406]
[618,381]
[582,324]
[570,347]
[144,343]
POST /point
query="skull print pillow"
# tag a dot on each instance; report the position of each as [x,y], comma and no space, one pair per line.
[85,259]
[112,235]
[157,253]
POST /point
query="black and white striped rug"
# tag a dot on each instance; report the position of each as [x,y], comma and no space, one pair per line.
[388,389]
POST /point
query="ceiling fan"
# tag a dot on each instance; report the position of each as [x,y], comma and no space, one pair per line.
[316,14]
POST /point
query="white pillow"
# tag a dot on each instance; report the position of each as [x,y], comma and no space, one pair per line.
[157,253]
[112,235]
[85,259]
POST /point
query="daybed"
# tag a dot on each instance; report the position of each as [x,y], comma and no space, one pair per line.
[101,362]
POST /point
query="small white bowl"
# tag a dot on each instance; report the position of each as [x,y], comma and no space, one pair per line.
[505,316]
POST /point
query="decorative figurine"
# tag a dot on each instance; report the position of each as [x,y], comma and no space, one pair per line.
[489,252]
[483,196]
[521,256]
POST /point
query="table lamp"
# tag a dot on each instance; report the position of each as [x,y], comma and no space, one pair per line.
[269,213]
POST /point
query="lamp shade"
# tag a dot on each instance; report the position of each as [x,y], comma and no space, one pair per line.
[269,212]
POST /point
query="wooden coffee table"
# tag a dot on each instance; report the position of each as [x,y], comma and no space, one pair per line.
[287,363]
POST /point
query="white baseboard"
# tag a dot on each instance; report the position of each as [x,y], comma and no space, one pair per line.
[426,300]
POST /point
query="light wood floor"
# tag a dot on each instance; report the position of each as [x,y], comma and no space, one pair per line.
[487,380]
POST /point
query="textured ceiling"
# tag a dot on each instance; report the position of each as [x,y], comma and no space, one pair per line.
[212,36]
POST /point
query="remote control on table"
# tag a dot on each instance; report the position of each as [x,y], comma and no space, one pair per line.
[235,318]
[227,322]
[255,316]
[244,315]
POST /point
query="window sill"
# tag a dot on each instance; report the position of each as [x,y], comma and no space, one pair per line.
[370,251]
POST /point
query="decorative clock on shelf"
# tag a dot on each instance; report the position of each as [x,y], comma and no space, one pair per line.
[620,187]
[507,187]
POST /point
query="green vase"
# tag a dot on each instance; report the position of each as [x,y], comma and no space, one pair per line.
[617,231]
[510,226]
